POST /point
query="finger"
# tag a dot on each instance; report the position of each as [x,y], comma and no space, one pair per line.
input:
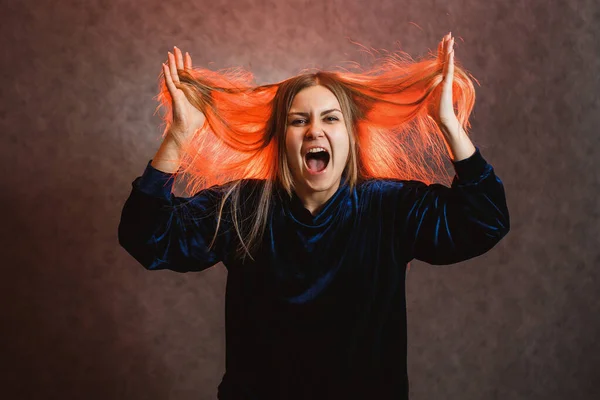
[173,68]
[445,63]
[188,61]
[447,48]
[168,79]
[442,48]
[451,66]
[178,57]
[449,76]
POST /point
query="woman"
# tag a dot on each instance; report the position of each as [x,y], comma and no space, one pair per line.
[308,197]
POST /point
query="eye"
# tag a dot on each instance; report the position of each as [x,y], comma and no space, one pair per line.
[297,121]
[330,118]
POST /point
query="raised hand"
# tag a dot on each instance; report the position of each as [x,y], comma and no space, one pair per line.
[186,118]
[443,111]
[446,55]
[458,142]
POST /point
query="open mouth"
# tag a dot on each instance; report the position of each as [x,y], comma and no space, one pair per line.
[316,160]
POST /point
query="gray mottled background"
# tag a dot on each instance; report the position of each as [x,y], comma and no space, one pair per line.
[80,319]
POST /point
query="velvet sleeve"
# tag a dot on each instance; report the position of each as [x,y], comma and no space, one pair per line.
[446,225]
[162,231]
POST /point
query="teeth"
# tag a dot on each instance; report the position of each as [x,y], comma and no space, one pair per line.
[316,150]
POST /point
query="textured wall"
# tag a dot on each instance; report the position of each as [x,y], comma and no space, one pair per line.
[80,319]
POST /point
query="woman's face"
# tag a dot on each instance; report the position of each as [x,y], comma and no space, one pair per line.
[317,143]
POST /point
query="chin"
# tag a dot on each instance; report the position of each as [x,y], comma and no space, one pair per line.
[322,182]
[318,187]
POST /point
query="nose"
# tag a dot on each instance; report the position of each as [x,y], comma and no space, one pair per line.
[314,131]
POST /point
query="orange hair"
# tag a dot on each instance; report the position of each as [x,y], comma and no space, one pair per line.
[385,107]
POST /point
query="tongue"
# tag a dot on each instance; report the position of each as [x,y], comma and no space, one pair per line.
[315,164]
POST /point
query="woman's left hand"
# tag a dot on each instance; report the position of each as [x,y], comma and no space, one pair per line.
[443,112]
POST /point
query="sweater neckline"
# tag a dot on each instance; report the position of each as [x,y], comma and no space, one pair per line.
[302,215]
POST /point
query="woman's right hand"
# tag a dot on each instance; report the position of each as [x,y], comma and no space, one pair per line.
[186,118]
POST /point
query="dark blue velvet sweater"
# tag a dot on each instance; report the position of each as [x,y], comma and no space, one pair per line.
[321,312]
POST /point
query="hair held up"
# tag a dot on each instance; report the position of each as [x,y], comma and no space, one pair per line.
[385,108]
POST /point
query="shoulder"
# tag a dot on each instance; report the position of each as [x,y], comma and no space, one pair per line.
[384,186]
[389,192]
[243,185]
[222,198]
[253,183]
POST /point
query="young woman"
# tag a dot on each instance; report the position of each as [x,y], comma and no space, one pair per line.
[307,191]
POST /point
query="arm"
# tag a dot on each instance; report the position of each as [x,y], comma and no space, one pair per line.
[162,231]
[168,157]
[447,225]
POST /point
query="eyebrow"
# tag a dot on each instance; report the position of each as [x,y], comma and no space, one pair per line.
[306,114]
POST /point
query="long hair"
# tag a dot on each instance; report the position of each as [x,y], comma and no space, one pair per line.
[385,109]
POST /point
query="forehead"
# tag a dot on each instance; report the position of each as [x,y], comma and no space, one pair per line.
[314,97]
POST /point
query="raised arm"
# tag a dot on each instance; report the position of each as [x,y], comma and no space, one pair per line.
[162,231]
[445,225]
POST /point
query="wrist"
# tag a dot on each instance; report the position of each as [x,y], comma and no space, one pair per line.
[168,156]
